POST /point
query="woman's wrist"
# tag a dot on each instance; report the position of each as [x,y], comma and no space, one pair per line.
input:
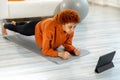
[59,54]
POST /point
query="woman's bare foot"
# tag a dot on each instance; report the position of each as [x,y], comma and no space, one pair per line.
[13,22]
[4,31]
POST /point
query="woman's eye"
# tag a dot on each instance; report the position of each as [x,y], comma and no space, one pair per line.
[70,27]
[74,26]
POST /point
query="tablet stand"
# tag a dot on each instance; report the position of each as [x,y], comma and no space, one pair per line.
[104,67]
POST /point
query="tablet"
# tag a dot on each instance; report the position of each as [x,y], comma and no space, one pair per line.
[105,62]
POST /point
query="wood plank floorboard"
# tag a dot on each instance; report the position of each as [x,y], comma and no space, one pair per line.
[99,33]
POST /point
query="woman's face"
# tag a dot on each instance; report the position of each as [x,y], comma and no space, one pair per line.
[69,27]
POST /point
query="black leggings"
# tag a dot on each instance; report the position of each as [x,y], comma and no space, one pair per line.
[24,28]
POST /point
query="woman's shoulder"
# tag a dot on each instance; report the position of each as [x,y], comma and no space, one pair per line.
[49,23]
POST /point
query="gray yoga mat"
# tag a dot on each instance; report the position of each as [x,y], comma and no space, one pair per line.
[28,42]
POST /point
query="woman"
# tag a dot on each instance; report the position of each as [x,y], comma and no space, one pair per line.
[51,33]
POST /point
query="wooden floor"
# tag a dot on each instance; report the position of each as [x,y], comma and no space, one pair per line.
[99,33]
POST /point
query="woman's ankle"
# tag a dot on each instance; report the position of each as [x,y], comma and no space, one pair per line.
[13,22]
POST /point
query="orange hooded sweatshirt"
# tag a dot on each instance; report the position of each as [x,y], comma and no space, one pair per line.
[49,35]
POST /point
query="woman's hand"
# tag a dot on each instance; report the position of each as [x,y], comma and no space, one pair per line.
[64,55]
[77,52]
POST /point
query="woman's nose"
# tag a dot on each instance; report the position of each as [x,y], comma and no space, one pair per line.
[72,29]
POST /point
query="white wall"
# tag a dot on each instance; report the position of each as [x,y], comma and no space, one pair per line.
[3,9]
[114,3]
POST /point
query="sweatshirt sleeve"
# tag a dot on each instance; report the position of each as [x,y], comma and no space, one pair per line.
[68,43]
[46,44]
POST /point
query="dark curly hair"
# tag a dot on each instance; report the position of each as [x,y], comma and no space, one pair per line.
[67,16]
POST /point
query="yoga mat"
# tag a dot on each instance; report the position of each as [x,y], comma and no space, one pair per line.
[28,42]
